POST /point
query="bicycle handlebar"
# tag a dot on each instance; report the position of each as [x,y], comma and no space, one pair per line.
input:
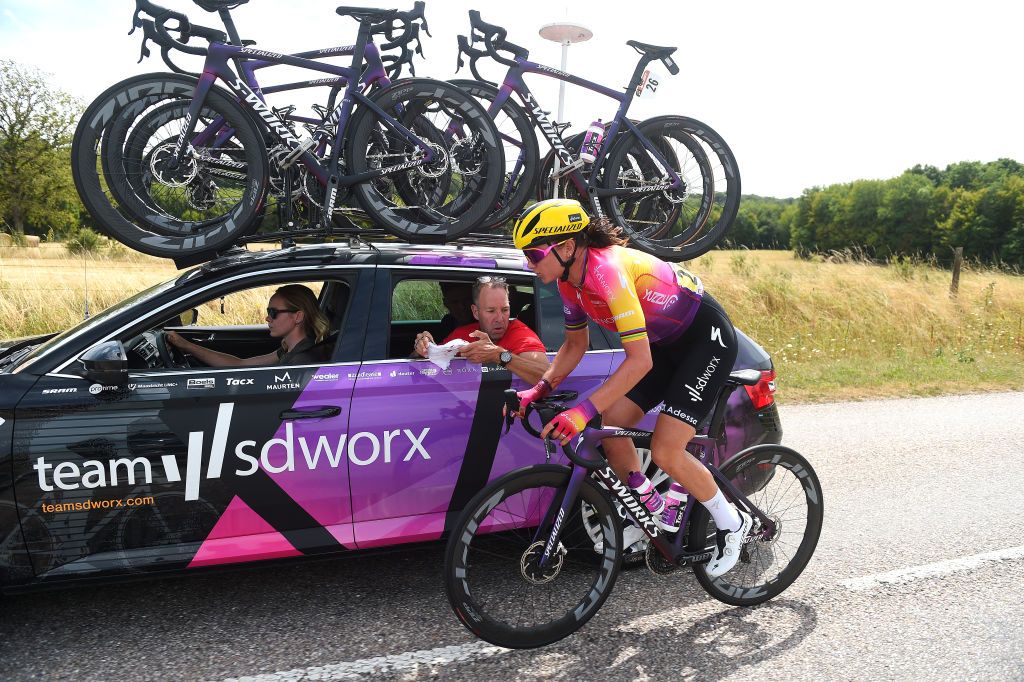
[474,55]
[493,38]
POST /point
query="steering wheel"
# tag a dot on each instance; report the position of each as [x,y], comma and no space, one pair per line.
[169,353]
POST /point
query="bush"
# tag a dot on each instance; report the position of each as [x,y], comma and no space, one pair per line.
[84,241]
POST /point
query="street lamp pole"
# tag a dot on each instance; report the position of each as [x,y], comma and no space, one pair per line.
[566,33]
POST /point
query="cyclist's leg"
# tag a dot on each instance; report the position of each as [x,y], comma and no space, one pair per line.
[620,452]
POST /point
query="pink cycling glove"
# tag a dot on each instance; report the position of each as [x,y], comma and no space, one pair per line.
[567,425]
[531,394]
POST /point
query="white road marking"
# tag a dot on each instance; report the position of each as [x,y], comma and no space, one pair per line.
[410,660]
[905,575]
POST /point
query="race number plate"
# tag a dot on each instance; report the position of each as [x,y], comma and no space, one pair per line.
[648,87]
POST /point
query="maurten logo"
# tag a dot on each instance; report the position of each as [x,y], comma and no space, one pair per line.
[275,456]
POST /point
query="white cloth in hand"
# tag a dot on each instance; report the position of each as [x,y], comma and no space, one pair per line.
[443,355]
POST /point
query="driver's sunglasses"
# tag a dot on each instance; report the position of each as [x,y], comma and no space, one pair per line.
[538,253]
[274,312]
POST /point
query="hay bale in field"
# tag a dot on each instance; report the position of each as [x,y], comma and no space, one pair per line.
[32,241]
[6,239]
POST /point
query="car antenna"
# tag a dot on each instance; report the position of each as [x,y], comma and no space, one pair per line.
[85,261]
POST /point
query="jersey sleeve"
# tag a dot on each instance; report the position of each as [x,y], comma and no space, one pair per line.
[575,317]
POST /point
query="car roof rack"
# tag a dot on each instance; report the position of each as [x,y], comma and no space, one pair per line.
[333,239]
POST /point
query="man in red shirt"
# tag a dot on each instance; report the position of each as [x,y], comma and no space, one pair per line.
[494,338]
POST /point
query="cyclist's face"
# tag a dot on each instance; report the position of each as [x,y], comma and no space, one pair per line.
[547,268]
[492,310]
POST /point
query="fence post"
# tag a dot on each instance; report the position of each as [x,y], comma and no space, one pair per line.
[958,259]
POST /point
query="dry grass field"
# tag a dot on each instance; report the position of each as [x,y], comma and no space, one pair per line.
[836,330]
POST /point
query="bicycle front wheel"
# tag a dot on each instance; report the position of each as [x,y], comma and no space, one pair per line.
[494,580]
[782,485]
[435,201]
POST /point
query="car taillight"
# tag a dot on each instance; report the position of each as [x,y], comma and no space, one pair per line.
[762,394]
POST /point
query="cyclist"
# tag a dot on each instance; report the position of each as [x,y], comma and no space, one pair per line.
[679,345]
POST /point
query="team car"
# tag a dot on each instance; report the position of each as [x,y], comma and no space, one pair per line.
[121,456]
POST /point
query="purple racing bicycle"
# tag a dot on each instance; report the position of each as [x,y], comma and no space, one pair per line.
[536,553]
[670,182]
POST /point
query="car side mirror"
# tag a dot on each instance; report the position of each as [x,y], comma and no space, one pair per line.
[186,319]
[106,363]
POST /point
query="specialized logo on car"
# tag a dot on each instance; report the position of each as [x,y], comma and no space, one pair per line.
[276,456]
[696,392]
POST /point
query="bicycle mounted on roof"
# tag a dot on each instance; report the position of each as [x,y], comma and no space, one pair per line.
[205,187]
[671,183]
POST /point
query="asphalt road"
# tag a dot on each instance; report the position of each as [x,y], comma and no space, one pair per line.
[919,574]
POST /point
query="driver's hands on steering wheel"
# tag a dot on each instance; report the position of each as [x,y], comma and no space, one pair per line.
[177,340]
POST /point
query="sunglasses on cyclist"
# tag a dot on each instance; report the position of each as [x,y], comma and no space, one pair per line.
[274,312]
[538,253]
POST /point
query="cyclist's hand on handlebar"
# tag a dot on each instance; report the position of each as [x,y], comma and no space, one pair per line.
[570,423]
[540,390]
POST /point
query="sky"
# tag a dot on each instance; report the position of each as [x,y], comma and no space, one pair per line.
[806,93]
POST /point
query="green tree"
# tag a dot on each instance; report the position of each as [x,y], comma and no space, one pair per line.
[37,122]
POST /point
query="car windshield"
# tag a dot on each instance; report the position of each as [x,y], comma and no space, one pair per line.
[42,349]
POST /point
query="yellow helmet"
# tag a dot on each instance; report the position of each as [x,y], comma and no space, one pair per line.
[549,221]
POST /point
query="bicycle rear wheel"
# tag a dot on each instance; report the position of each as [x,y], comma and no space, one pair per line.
[522,155]
[435,202]
[682,223]
[492,577]
[782,484]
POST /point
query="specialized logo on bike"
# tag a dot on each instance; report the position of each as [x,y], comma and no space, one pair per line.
[276,456]
[697,392]
[629,500]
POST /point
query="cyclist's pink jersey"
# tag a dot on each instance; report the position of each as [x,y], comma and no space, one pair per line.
[633,293]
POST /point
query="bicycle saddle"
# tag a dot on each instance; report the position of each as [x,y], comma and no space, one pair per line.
[367,13]
[655,51]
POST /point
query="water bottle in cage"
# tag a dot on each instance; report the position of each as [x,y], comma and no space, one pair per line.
[592,142]
[675,502]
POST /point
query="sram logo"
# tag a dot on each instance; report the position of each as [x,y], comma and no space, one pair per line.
[276,456]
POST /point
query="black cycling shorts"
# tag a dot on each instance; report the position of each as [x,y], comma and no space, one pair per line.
[689,372]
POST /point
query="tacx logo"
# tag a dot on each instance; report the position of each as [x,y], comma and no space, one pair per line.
[276,456]
[239,382]
[696,392]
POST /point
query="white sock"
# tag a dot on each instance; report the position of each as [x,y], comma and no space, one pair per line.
[725,514]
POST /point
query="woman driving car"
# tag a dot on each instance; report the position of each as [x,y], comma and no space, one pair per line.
[293,316]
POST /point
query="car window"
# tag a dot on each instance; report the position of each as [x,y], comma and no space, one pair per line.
[234,323]
[417,299]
